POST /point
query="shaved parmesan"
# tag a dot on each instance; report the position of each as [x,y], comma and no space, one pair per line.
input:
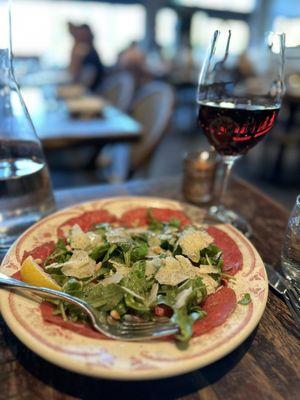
[153,241]
[152,295]
[178,269]
[79,265]
[171,272]
[122,269]
[184,262]
[182,297]
[208,269]
[210,283]
[117,235]
[95,239]
[78,239]
[115,278]
[152,266]
[192,242]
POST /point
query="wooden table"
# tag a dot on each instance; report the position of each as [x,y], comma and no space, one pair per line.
[57,129]
[265,366]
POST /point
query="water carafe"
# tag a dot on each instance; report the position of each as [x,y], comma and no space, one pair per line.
[25,188]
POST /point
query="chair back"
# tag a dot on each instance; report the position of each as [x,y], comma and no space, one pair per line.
[152,107]
[118,89]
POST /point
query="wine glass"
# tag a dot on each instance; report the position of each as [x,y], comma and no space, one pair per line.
[239,99]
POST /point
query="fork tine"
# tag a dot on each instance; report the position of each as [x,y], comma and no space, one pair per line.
[296,285]
[294,298]
[137,327]
[145,334]
[296,292]
[146,330]
[145,324]
[293,310]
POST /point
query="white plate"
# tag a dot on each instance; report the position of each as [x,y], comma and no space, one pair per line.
[124,360]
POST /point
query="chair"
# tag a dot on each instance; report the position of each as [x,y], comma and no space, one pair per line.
[118,89]
[152,107]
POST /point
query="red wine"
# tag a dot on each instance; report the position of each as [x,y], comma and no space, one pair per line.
[232,128]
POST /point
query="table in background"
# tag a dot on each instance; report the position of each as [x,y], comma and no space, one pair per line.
[265,366]
[57,129]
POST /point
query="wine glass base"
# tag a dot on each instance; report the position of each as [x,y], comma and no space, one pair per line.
[231,217]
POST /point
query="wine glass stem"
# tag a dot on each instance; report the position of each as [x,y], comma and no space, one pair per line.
[228,164]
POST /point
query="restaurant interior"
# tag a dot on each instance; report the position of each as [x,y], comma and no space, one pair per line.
[149,199]
[142,48]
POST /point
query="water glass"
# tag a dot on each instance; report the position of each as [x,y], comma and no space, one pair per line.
[290,256]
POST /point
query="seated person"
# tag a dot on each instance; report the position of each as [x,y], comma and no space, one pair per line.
[85,64]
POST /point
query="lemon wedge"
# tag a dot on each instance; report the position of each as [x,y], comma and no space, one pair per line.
[32,273]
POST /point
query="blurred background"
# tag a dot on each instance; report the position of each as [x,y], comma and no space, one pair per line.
[144,58]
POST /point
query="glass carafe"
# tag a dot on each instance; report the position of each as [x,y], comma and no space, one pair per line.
[25,188]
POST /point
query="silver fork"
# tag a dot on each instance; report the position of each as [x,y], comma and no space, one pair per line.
[292,297]
[128,331]
[291,293]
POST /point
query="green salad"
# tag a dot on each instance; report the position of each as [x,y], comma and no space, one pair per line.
[137,273]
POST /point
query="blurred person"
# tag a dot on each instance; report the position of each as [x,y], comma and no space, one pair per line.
[244,67]
[85,64]
[133,59]
[132,56]
[157,64]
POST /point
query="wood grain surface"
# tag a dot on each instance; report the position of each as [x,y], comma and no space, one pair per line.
[265,366]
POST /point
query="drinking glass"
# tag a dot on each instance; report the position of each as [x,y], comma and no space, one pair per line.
[290,256]
[25,188]
[239,100]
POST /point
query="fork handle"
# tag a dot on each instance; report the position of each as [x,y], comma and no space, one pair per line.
[11,283]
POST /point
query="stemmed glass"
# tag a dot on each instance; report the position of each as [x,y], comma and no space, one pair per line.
[239,99]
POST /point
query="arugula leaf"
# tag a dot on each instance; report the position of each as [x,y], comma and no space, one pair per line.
[211,255]
[166,245]
[101,228]
[99,252]
[60,254]
[109,252]
[73,286]
[105,298]
[59,278]
[177,251]
[199,291]
[139,252]
[245,299]
[175,223]
[140,238]
[135,304]
[136,280]
[154,224]
[185,323]
[167,295]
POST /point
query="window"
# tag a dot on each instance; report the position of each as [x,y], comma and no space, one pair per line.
[165,32]
[291,27]
[203,26]
[243,6]
[40,27]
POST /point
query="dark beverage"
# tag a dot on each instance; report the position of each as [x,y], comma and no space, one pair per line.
[232,128]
